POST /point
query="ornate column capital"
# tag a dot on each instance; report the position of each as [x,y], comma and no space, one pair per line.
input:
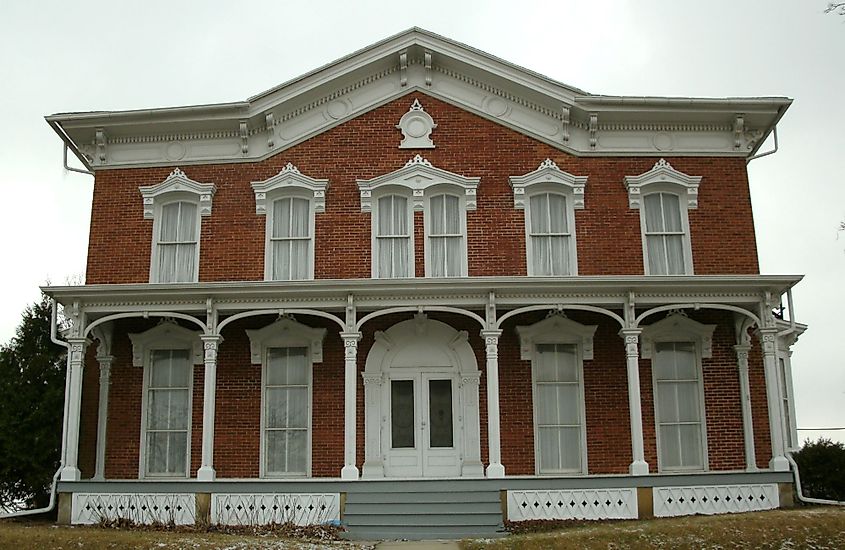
[742,355]
[372,379]
[768,336]
[105,362]
[350,344]
[210,343]
[491,341]
[632,340]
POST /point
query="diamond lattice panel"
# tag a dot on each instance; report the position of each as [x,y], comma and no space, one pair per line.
[714,499]
[572,504]
[146,509]
[264,509]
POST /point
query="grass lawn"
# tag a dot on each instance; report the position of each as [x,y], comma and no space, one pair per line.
[816,528]
[41,535]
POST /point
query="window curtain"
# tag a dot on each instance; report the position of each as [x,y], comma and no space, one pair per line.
[664,234]
[177,243]
[168,412]
[290,239]
[549,234]
[678,405]
[445,236]
[558,405]
[393,237]
[286,411]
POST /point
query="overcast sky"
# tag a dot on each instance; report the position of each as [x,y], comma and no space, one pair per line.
[60,56]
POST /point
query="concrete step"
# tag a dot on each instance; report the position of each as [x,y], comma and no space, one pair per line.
[412,533]
[416,496]
[420,520]
[422,508]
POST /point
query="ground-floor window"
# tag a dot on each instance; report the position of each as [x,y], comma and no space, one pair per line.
[168,407]
[286,411]
[678,406]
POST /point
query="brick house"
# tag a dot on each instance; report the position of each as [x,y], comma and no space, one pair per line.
[414,282]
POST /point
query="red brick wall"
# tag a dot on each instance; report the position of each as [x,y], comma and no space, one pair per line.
[237,426]
[608,231]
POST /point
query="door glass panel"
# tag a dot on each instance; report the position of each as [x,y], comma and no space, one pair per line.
[402,414]
[440,413]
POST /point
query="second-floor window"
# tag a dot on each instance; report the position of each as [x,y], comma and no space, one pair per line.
[550,243]
[393,251]
[664,233]
[289,239]
[446,249]
[177,244]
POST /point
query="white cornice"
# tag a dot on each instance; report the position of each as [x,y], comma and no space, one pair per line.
[177,181]
[677,327]
[285,332]
[662,173]
[548,173]
[560,115]
[290,178]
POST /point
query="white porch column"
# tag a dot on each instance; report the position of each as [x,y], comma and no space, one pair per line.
[373,459]
[350,345]
[491,341]
[773,399]
[105,362]
[210,344]
[472,466]
[632,337]
[745,398]
[70,471]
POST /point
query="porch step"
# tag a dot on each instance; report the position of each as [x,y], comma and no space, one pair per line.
[416,511]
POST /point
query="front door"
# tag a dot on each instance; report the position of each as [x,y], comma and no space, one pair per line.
[422,426]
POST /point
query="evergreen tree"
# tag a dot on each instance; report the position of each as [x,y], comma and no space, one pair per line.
[32,383]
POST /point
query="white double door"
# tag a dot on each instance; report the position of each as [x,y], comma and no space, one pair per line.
[422,425]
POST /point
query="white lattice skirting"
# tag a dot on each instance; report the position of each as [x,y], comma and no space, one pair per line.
[166,508]
[573,504]
[264,509]
[714,499]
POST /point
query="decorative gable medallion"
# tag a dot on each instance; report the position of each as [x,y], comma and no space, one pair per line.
[177,181]
[556,329]
[416,126]
[290,178]
[548,173]
[418,174]
[677,327]
[285,332]
[662,172]
[165,335]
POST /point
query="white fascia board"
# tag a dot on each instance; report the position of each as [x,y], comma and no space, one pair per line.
[746,289]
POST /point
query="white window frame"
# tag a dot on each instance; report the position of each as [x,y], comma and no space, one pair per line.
[549,179]
[285,333]
[268,235]
[678,328]
[387,191]
[662,178]
[289,182]
[177,187]
[462,217]
[557,329]
[421,180]
[164,337]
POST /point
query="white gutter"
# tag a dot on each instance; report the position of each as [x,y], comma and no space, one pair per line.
[801,497]
[767,153]
[52,503]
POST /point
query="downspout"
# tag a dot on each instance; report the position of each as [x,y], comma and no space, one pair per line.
[54,338]
[801,497]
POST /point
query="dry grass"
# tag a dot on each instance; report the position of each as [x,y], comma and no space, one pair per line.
[25,535]
[816,528]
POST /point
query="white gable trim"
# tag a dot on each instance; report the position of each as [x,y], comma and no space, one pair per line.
[677,327]
[285,332]
[165,335]
[556,329]
[418,174]
[548,173]
[177,181]
[662,173]
[290,178]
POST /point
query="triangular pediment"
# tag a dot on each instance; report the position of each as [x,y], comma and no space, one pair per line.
[418,60]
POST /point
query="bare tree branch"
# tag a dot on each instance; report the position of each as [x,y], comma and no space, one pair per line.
[836,7]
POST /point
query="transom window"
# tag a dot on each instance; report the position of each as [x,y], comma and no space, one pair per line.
[549,237]
[558,396]
[664,234]
[287,390]
[679,408]
[168,413]
[445,236]
[393,243]
[290,239]
[177,246]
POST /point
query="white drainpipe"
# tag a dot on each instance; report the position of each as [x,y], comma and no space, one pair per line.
[52,502]
[801,497]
